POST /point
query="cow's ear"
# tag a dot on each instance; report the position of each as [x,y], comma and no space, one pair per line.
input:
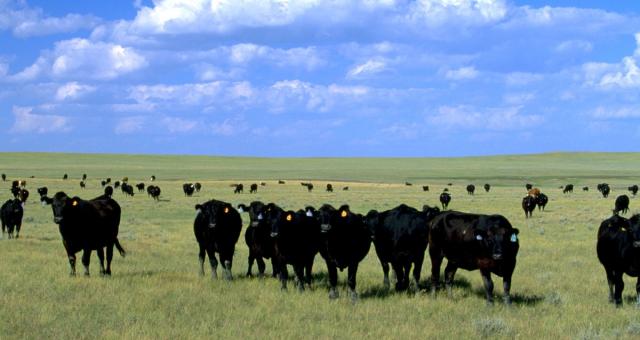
[516,231]
[344,213]
[198,207]
[242,208]
[227,208]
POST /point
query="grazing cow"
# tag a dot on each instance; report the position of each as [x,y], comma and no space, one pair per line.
[43,191]
[604,189]
[188,189]
[258,236]
[487,187]
[533,192]
[449,184]
[633,189]
[116,184]
[471,189]
[140,187]
[542,201]
[473,241]
[87,225]
[528,205]
[4,177]
[621,205]
[618,250]
[445,198]
[400,237]
[197,186]
[127,189]
[345,242]
[528,186]
[567,189]
[153,178]
[297,241]
[108,180]
[238,188]
[154,192]
[11,217]
[217,228]
[253,188]
[408,184]
[425,188]
[308,185]
[281,182]
[82,185]
[263,184]
[329,187]
[65,177]
[345,189]
[585,188]
[108,191]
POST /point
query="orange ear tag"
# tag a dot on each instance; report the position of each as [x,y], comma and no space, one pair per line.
[289,217]
[226,210]
[74,203]
[343,214]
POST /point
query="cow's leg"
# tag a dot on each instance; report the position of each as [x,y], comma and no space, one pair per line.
[201,255]
[250,264]
[213,261]
[3,228]
[449,274]
[407,274]
[308,268]
[488,285]
[351,281]
[72,263]
[261,266]
[10,230]
[385,271]
[417,271]
[109,258]
[299,270]
[400,276]
[638,292]
[86,260]
[333,280]
[610,282]
[436,262]
[18,229]
[100,252]
[619,286]
[506,287]
[274,267]
[227,264]
[284,276]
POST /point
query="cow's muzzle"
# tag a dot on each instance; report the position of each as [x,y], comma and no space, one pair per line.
[212,225]
[497,256]
[57,219]
[273,234]
[255,223]
[636,244]
[325,227]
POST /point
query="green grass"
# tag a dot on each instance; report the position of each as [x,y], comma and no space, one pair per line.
[155,292]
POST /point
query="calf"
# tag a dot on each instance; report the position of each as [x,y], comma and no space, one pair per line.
[188,189]
[487,187]
[585,188]
[621,205]
[258,236]
[140,187]
[528,205]
[345,242]
[253,188]
[618,249]
[11,217]
[127,189]
[425,188]
[154,192]
[217,228]
[197,186]
[471,189]
[473,241]
[82,185]
[87,226]
[542,201]
[445,198]
[400,237]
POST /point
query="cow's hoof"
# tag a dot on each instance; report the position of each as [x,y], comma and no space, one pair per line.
[333,294]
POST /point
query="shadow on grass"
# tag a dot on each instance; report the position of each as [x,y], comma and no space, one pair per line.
[516,299]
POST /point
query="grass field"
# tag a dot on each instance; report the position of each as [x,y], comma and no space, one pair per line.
[155,292]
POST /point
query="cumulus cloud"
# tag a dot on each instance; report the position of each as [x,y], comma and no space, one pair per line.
[191,93]
[522,78]
[287,94]
[25,21]
[369,67]
[463,73]
[178,125]
[130,125]
[27,121]
[623,75]
[73,90]
[466,12]
[244,53]
[467,117]
[568,46]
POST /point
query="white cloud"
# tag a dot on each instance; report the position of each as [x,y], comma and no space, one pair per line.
[178,125]
[616,113]
[574,45]
[73,90]
[367,68]
[130,125]
[27,121]
[518,98]
[622,75]
[522,78]
[465,12]
[467,117]
[463,73]
[295,57]
[25,21]
[290,94]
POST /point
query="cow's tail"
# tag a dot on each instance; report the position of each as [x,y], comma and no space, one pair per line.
[123,253]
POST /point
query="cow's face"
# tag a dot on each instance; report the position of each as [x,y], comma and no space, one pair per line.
[325,215]
[501,242]
[634,229]
[216,213]
[284,219]
[256,212]
[61,204]
[372,220]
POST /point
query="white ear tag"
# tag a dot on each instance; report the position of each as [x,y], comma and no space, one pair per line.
[240,209]
[260,216]
[479,237]
[514,238]
[309,213]
[198,211]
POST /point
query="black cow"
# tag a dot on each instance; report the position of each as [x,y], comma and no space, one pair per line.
[308,185]
[449,184]
[567,189]
[585,188]
[345,189]
[633,189]
[253,188]
[127,189]
[11,217]
[604,189]
[84,177]
[154,192]
[4,177]
[400,236]
[297,241]
[471,189]
[445,198]
[329,187]
[82,185]
[108,180]
[197,186]
[425,188]
[140,187]
[473,241]
[116,184]
[528,205]
[103,183]
[188,189]
[621,205]
[108,191]
[541,201]
[43,191]
[65,177]
[408,184]
[217,228]
[238,188]
[258,236]
[618,250]
[487,187]
[153,178]
[528,186]
[345,242]
[281,182]
[15,191]
[87,225]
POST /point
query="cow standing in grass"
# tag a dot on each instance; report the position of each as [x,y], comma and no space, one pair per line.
[258,236]
[528,205]
[11,214]
[621,205]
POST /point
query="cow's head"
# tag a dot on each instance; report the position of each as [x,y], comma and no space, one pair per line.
[430,212]
[634,229]
[256,212]
[501,242]
[325,215]
[283,220]
[62,205]
[214,213]
[372,219]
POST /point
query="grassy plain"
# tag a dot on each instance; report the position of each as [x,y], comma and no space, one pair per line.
[155,292]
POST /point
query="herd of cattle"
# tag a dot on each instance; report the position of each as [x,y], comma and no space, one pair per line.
[342,237]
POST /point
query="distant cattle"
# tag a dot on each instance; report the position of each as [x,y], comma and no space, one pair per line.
[127,189]
[487,187]
[345,189]
[197,186]
[140,187]
[108,180]
[253,188]
[281,182]
[400,237]
[425,188]
[65,177]
[567,189]
[125,179]
[4,177]
[82,185]
[542,201]
[309,186]
[87,226]
[528,205]
[188,189]
[258,238]
[445,198]
[217,228]
[528,186]
[108,191]
[533,192]
[449,184]
[84,177]
[42,191]
[345,242]
[618,249]
[237,188]
[604,189]
[329,187]
[116,184]
[11,214]
[154,192]
[621,205]
[473,241]
[633,189]
[263,184]
[471,189]
[103,183]
[153,178]
[408,184]
[585,188]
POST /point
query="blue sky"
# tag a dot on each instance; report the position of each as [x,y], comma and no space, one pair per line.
[320,78]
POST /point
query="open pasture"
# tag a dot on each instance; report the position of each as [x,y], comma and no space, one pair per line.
[559,287]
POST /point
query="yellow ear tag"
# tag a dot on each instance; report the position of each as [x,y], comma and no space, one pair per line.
[623,229]
[343,213]
[226,210]
[289,217]
[74,203]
